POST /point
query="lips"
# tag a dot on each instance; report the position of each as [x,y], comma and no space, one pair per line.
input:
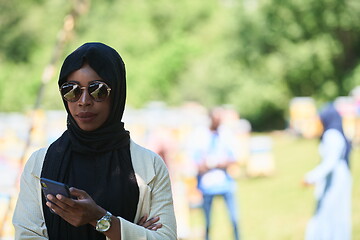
[86,116]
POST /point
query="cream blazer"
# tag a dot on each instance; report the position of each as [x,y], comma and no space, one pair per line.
[155,198]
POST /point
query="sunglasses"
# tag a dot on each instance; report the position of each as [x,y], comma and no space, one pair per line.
[72,91]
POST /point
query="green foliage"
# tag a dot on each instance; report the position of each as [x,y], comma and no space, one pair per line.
[25,48]
[254,55]
[318,41]
[295,48]
[10,18]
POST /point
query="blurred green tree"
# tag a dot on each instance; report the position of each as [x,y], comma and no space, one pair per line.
[300,48]
[253,54]
[27,35]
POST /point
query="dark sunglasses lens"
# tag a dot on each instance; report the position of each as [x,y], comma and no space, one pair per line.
[98,91]
[71,92]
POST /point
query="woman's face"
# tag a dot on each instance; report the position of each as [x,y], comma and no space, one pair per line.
[88,114]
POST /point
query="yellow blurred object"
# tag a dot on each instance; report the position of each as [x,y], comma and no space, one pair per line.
[304,118]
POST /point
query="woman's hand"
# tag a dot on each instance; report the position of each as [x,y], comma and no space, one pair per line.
[151,223]
[77,212]
[84,210]
[305,183]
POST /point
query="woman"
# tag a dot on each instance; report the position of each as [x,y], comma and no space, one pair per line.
[332,179]
[115,182]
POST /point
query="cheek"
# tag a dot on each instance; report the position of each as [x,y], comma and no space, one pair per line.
[105,110]
[71,107]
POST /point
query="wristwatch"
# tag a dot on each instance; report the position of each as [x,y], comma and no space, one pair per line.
[104,223]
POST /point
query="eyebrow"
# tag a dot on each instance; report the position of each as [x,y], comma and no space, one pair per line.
[95,80]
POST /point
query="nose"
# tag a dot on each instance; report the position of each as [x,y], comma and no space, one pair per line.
[85,98]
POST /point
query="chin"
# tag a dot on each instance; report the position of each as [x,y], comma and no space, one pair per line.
[88,128]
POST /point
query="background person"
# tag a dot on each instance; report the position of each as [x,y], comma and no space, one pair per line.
[332,180]
[213,155]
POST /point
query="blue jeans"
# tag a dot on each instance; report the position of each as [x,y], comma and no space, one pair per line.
[229,198]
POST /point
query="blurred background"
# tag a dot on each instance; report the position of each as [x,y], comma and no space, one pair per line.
[270,64]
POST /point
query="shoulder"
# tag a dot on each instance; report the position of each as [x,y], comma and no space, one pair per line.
[146,163]
[199,137]
[333,137]
[140,152]
[35,162]
[333,134]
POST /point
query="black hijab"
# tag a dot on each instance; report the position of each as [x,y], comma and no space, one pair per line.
[331,119]
[98,161]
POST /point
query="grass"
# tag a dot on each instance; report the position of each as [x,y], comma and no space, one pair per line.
[276,207]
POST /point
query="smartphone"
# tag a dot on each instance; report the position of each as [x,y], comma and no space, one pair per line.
[53,187]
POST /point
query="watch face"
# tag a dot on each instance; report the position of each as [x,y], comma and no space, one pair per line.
[103,225]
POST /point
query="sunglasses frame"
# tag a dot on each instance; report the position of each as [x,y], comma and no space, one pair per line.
[83,88]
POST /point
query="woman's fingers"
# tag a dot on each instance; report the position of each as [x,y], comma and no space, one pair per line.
[151,223]
[59,201]
[77,193]
[153,220]
[142,220]
[155,226]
